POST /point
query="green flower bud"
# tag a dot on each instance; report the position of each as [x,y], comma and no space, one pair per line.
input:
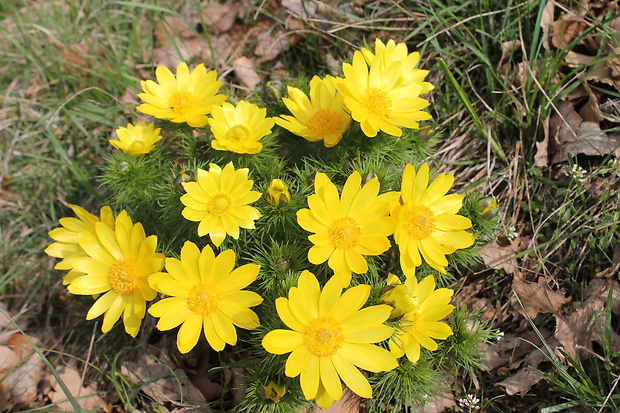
[487,207]
[273,91]
[283,264]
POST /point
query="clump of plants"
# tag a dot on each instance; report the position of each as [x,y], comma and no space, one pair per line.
[304,226]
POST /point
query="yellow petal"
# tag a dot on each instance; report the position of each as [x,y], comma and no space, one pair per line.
[351,376]
[282,341]
[189,333]
[329,378]
[368,357]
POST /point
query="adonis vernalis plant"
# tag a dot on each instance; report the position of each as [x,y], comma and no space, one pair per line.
[287,227]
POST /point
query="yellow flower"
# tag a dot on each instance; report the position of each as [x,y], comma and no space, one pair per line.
[322,117]
[272,391]
[239,129]
[375,99]
[330,338]
[386,54]
[427,224]
[422,325]
[137,140]
[205,294]
[277,194]
[188,97]
[397,296]
[117,262]
[346,228]
[219,201]
[67,246]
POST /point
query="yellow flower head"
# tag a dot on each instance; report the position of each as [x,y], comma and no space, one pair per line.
[117,263]
[421,325]
[239,129]
[277,194]
[272,391]
[67,245]
[386,54]
[427,222]
[377,101]
[322,117]
[188,97]
[137,140]
[205,294]
[348,227]
[219,201]
[330,337]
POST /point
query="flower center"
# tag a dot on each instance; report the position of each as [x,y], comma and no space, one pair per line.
[219,204]
[345,233]
[204,299]
[238,133]
[123,276]
[377,102]
[409,323]
[182,103]
[136,145]
[420,222]
[324,121]
[323,336]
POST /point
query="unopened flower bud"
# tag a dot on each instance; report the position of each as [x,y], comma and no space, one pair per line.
[487,207]
[272,391]
[472,326]
[283,264]
[123,166]
[278,194]
[398,297]
[182,175]
[273,91]
[368,176]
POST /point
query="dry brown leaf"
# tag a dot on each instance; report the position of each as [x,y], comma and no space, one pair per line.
[527,376]
[565,31]
[537,297]
[498,255]
[163,385]
[270,46]
[440,401]
[219,18]
[246,73]
[572,135]
[21,382]
[573,329]
[169,29]
[590,111]
[541,158]
[301,9]
[86,397]
[511,348]
[546,22]
[522,381]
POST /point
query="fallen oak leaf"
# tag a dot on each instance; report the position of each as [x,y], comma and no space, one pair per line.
[498,255]
[21,381]
[160,382]
[582,326]
[220,17]
[537,297]
[87,396]
[246,73]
